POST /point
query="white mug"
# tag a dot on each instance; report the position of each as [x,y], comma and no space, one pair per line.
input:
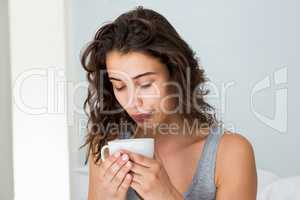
[143,146]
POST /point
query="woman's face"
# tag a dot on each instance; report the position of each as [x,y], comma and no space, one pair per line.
[140,84]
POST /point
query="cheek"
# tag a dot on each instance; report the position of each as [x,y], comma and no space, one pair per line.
[154,94]
[150,95]
[164,101]
[170,100]
[164,106]
[121,98]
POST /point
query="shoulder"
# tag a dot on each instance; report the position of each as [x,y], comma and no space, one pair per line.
[235,154]
[231,142]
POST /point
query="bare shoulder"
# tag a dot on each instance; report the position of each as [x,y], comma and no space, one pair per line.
[235,154]
[231,141]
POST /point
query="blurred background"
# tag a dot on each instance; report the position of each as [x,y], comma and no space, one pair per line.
[249,50]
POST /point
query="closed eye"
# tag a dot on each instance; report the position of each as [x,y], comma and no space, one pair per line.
[142,86]
[119,88]
[146,85]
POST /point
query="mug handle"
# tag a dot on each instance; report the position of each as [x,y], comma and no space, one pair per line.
[102,152]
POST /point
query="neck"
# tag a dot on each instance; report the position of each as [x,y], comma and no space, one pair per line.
[173,138]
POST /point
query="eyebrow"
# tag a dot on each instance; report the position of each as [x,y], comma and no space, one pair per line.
[136,77]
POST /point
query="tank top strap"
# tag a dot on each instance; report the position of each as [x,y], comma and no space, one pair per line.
[208,161]
[203,184]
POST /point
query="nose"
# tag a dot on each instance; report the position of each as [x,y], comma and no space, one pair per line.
[135,100]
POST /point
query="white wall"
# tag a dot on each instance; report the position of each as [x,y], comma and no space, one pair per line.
[6,162]
[250,51]
[240,43]
[39,48]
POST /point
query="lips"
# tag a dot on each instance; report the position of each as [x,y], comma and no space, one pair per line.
[141,117]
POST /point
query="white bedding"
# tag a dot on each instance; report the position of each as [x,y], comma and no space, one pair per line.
[271,187]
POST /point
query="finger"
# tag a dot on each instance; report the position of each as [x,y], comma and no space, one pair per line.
[138,158]
[139,169]
[109,162]
[125,184]
[137,178]
[119,177]
[136,186]
[115,167]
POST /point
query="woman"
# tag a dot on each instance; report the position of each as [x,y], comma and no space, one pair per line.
[143,74]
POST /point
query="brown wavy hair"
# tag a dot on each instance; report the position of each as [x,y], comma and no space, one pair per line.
[145,31]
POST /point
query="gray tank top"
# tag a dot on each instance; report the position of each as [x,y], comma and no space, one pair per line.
[203,183]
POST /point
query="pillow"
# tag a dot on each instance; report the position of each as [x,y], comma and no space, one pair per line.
[264,178]
[282,189]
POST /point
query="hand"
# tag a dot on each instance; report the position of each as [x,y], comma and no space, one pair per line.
[150,179]
[113,178]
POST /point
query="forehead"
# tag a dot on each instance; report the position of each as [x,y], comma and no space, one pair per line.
[131,64]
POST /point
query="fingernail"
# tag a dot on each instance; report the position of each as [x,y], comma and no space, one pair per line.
[124,157]
[128,176]
[117,154]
